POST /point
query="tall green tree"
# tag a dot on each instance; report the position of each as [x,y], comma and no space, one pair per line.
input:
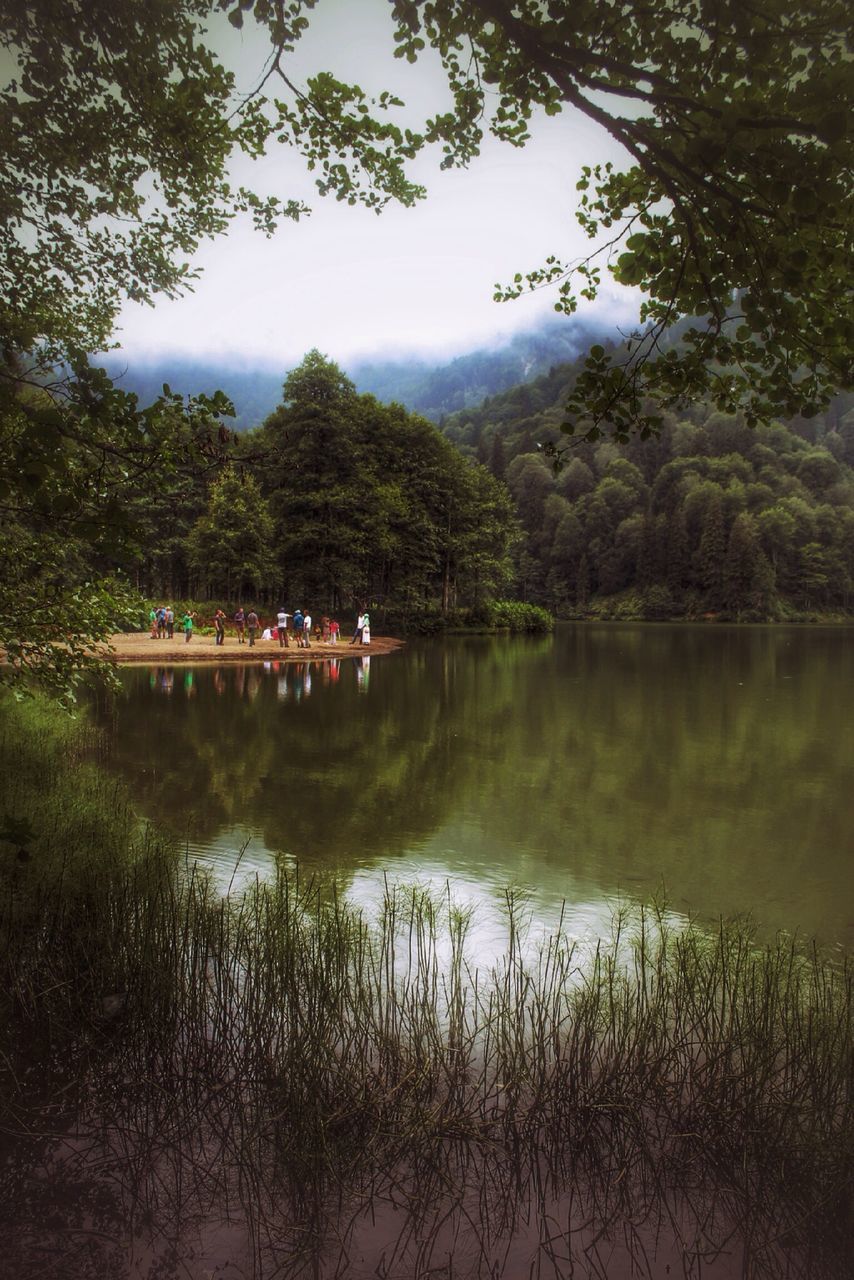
[230,547]
[370,502]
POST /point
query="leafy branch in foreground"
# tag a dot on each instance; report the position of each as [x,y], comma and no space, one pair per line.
[74,449]
[733,206]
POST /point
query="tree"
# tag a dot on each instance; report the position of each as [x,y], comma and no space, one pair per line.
[497,462]
[231,545]
[118,125]
[372,502]
[115,123]
[678,553]
[80,465]
[741,570]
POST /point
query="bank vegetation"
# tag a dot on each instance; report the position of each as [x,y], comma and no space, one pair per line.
[279,1081]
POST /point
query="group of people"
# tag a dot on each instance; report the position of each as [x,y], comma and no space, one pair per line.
[298,626]
[162,620]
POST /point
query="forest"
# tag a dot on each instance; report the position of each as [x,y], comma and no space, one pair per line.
[334,499]
[706,517]
[337,498]
[201,1084]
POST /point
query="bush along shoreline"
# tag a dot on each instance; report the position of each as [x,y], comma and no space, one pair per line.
[489,618]
[277,1082]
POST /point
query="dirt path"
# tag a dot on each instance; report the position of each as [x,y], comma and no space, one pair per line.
[138,646]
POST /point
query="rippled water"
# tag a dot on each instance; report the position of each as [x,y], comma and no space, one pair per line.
[603,763]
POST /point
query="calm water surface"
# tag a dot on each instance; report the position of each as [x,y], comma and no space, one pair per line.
[600,764]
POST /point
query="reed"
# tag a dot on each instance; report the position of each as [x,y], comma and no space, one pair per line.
[277,1081]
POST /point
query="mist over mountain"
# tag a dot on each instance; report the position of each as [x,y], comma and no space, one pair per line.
[429,387]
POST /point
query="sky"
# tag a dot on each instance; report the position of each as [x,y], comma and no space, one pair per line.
[408,282]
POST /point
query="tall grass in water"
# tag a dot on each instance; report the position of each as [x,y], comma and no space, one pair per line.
[275,1084]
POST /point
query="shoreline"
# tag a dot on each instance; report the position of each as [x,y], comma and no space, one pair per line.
[139,647]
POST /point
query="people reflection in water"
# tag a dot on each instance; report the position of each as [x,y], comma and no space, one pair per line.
[293,680]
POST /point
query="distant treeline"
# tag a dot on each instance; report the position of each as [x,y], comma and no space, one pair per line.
[710,516]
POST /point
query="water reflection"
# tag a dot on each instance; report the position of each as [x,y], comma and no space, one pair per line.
[605,761]
[482,918]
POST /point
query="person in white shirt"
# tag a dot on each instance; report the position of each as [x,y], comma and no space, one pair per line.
[282,628]
[306,631]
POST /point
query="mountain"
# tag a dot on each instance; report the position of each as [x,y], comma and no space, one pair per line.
[433,389]
[466,381]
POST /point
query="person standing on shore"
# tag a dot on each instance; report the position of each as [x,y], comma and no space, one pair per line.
[334,628]
[252,625]
[187,624]
[282,627]
[306,631]
[170,622]
[219,625]
[357,634]
[240,624]
[366,628]
[298,621]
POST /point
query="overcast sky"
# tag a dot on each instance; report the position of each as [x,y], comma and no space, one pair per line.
[408,281]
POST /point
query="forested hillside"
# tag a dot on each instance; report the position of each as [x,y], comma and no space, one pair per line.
[708,517]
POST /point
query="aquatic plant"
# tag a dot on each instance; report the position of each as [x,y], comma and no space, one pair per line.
[279,1082]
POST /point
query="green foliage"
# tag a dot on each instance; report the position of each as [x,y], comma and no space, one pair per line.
[704,209]
[230,547]
[56,806]
[118,125]
[708,517]
[370,503]
[87,479]
[517,616]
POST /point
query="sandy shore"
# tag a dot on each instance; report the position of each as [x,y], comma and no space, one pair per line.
[138,646]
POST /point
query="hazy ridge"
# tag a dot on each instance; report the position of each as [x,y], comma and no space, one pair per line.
[429,387]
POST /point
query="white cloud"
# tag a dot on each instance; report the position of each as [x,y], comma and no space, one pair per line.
[352,283]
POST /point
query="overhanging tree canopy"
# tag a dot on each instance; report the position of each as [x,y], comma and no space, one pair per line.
[734,204]
[119,122]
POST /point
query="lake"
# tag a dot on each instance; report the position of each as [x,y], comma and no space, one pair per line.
[710,764]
